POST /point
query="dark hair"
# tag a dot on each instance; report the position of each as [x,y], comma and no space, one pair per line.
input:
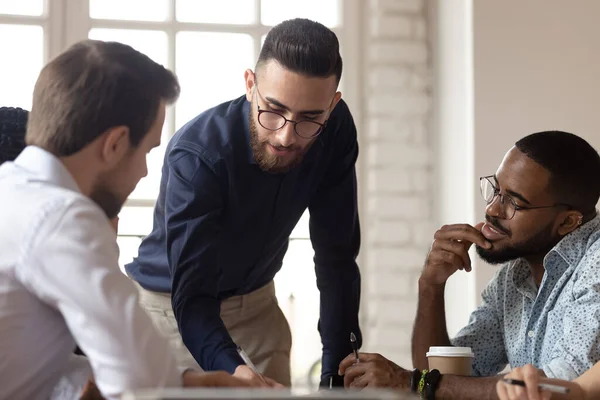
[574,167]
[94,86]
[13,124]
[305,47]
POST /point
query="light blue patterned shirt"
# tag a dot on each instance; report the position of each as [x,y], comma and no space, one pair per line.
[555,328]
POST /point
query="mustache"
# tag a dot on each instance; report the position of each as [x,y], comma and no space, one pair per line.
[280,147]
[494,222]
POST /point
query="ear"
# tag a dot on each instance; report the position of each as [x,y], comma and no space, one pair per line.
[336,99]
[250,79]
[571,220]
[116,145]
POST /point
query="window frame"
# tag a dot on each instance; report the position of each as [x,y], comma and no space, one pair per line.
[66,22]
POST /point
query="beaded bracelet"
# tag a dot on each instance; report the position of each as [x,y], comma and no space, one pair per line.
[422,383]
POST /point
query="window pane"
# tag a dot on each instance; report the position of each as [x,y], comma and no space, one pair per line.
[17,79]
[149,186]
[216,12]
[128,249]
[135,221]
[301,231]
[151,43]
[131,10]
[22,7]
[327,12]
[210,67]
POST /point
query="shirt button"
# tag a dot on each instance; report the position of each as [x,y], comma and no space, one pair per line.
[530,334]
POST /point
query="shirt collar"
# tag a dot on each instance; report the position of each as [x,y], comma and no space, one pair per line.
[565,254]
[573,247]
[46,167]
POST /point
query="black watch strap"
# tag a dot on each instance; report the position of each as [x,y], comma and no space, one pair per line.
[415,377]
[432,380]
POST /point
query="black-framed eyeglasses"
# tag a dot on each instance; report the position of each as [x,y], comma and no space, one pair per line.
[273,121]
[489,192]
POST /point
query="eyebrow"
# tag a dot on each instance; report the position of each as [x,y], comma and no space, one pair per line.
[281,105]
[513,193]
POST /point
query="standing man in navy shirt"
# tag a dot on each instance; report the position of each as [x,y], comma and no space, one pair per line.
[235,181]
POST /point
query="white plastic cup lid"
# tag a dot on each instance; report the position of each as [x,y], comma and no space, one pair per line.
[449,351]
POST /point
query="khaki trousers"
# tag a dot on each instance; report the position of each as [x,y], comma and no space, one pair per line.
[254,321]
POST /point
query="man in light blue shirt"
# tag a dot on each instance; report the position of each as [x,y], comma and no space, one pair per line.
[552,323]
[543,305]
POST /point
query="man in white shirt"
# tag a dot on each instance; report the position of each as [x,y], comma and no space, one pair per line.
[98,109]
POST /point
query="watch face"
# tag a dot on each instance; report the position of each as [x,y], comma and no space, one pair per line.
[431,381]
[433,377]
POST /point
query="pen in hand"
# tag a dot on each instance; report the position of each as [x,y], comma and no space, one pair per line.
[542,386]
[250,364]
[354,345]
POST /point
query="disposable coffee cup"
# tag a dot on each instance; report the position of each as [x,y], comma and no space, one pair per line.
[451,360]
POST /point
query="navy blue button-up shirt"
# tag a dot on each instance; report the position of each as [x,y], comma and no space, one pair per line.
[221,228]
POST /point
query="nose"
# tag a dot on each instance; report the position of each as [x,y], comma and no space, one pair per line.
[495,208]
[286,136]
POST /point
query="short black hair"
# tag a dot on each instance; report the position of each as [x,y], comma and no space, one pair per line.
[303,46]
[13,125]
[574,167]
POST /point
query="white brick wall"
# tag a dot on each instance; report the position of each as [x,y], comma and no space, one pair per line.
[397,161]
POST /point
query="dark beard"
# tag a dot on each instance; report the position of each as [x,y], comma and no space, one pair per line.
[538,246]
[267,163]
[107,201]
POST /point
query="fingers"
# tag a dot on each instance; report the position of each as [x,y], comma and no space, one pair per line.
[528,374]
[513,392]
[273,383]
[531,378]
[501,390]
[451,254]
[546,395]
[345,363]
[363,374]
[351,360]
[464,233]
[362,381]
[450,251]
[232,381]
[354,372]
[367,362]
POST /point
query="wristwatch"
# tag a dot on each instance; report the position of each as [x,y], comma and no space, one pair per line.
[432,380]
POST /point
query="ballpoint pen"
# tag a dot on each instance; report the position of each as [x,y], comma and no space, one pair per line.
[543,386]
[354,345]
[249,363]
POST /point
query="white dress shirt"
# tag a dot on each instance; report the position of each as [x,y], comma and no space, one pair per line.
[60,284]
